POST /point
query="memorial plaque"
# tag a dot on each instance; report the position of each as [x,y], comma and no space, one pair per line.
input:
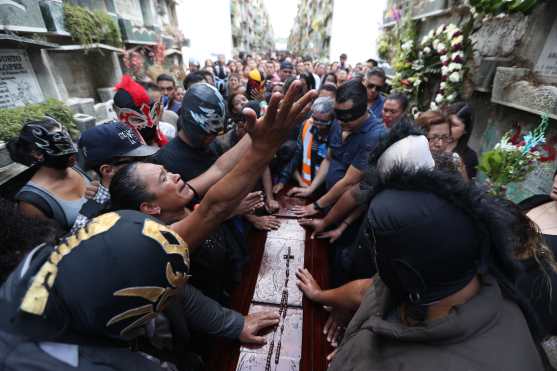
[547,62]
[273,272]
[18,83]
[21,15]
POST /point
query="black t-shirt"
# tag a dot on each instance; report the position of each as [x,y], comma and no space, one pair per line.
[181,158]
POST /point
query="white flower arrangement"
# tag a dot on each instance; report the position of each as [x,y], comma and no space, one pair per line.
[441,48]
[439,98]
[446,42]
[407,45]
[455,67]
[440,30]
[454,77]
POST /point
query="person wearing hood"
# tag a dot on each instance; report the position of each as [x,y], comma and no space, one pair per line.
[444,297]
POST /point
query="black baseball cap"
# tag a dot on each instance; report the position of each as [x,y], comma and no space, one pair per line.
[104,142]
[285,65]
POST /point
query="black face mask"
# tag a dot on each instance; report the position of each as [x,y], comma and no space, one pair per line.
[349,115]
[58,162]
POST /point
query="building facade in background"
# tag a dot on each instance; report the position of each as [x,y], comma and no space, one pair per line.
[311,33]
[71,53]
[251,27]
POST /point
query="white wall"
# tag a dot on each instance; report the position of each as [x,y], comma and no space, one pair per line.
[207,24]
[356,26]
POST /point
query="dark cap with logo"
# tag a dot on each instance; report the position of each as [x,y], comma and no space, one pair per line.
[102,143]
[285,65]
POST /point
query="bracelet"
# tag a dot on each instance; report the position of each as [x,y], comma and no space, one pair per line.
[345,222]
[318,207]
[195,194]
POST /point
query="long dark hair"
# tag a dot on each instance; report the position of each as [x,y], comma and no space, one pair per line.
[464,112]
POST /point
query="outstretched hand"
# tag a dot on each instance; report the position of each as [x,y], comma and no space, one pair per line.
[318,225]
[304,211]
[254,323]
[250,203]
[332,235]
[270,131]
[308,284]
[299,192]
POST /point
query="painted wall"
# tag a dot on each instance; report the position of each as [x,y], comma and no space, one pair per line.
[356,26]
[207,25]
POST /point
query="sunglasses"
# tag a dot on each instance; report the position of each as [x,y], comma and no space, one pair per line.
[350,115]
[321,122]
[371,86]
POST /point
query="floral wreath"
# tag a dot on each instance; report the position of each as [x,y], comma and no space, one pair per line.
[445,45]
[441,51]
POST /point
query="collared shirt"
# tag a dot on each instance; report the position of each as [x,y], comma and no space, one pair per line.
[102,197]
[377,107]
[355,149]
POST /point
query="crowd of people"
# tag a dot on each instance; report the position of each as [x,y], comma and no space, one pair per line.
[121,248]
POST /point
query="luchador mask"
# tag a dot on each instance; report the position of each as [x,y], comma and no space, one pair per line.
[112,277]
[53,142]
[145,118]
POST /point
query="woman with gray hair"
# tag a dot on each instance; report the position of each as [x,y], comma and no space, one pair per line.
[309,166]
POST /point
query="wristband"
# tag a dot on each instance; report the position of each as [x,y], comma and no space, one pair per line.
[345,222]
[318,207]
[195,194]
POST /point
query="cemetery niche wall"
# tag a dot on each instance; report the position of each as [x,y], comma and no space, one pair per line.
[512,66]
[42,57]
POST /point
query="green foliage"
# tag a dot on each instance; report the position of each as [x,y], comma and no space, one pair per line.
[494,7]
[12,119]
[88,27]
[511,162]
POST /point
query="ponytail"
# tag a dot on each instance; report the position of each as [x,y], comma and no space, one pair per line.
[20,151]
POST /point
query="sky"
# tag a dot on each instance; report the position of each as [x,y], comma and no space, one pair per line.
[282,14]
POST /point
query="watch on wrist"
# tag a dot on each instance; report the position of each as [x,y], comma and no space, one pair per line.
[318,207]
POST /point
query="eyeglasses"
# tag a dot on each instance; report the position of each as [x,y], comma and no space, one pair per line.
[371,86]
[442,138]
[321,122]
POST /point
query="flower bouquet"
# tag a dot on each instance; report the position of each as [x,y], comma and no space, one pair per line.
[512,160]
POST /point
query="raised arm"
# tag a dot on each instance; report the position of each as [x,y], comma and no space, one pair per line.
[267,134]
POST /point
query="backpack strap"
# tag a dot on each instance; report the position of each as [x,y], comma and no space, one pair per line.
[58,213]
